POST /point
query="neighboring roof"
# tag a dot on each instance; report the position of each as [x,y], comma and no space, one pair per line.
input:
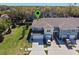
[56,22]
[4,16]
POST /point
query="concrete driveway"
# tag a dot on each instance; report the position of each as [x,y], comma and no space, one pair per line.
[54,49]
[37,49]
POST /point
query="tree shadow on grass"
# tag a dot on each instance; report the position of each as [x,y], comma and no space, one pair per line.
[1,38]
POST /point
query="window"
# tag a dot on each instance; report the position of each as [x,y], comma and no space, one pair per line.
[48,30]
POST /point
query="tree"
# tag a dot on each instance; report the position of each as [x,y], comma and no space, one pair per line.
[4,24]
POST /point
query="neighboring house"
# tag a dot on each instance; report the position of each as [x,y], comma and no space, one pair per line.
[48,14]
[5,16]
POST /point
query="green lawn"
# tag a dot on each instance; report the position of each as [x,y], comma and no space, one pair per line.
[12,45]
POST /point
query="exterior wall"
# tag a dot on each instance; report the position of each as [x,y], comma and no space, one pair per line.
[48,37]
[69,34]
[37,30]
[60,34]
[48,31]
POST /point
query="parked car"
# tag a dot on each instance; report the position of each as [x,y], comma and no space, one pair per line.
[49,42]
[68,42]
